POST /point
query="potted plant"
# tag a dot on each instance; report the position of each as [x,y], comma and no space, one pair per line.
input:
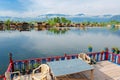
[90,48]
[113,50]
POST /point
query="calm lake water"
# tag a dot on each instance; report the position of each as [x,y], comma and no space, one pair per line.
[33,44]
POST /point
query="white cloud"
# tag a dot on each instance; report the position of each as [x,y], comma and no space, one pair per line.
[8,13]
[90,7]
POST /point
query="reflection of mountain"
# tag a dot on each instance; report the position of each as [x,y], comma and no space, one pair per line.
[75,18]
[94,31]
[116,32]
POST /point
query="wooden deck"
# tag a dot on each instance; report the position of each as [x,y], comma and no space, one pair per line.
[103,70]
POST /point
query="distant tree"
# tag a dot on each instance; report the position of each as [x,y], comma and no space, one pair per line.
[7,23]
[51,22]
[114,22]
[63,20]
[55,20]
[58,20]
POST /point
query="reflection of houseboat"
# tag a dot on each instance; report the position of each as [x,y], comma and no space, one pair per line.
[118,26]
[106,68]
[13,26]
[19,25]
[2,26]
[42,26]
[113,27]
[25,27]
[39,26]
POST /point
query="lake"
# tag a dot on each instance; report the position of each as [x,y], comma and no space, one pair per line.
[34,44]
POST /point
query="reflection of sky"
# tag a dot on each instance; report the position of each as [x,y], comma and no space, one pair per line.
[41,43]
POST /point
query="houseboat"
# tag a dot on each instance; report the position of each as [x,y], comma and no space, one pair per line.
[2,26]
[66,67]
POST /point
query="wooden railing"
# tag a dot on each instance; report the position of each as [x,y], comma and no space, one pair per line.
[115,58]
[9,69]
[29,64]
[2,77]
[26,66]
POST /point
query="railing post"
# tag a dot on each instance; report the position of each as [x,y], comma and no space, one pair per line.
[11,61]
[101,56]
[65,54]
[106,53]
[118,59]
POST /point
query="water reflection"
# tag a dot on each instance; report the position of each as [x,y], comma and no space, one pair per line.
[61,30]
[32,44]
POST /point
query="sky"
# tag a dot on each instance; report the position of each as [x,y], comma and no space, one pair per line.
[33,8]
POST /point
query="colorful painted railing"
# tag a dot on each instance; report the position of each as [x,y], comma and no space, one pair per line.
[115,58]
[26,66]
[99,56]
[2,77]
[9,69]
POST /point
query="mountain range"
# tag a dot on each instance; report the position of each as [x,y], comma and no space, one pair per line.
[75,18]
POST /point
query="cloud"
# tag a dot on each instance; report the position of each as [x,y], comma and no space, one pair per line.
[72,7]
[91,7]
[8,13]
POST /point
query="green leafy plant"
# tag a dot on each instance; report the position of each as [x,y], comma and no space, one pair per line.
[7,23]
